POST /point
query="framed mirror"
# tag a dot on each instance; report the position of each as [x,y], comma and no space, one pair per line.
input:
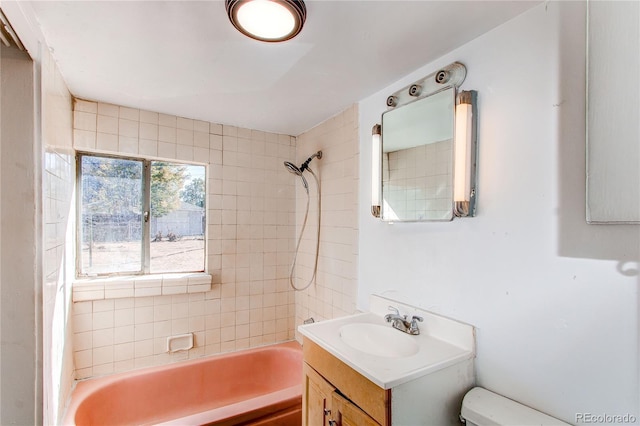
[417,159]
[424,153]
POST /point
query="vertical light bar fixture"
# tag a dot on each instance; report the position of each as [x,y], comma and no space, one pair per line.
[465,148]
[376,181]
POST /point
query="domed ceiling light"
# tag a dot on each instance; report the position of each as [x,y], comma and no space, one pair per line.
[267,20]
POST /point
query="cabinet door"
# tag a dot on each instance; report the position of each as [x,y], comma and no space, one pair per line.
[371,398]
[613,151]
[349,414]
[316,398]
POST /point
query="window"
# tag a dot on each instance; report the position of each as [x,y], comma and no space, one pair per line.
[139,216]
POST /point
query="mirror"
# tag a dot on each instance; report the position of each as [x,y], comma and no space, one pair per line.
[417,159]
[424,152]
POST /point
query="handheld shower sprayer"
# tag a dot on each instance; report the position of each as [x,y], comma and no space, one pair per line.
[292,168]
[298,171]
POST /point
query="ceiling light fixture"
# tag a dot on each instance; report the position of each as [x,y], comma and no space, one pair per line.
[267,20]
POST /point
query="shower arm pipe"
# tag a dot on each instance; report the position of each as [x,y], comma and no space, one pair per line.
[304,224]
[305,165]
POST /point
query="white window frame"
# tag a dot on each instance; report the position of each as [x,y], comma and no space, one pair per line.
[146,213]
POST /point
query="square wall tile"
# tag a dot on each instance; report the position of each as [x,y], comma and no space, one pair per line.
[108,109]
[201,126]
[107,142]
[148,147]
[128,145]
[84,139]
[84,121]
[107,124]
[148,117]
[167,120]
[148,131]
[128,128]
[129,113]
[184,123]
[85,106]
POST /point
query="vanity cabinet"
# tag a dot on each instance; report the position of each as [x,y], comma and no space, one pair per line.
[336,395]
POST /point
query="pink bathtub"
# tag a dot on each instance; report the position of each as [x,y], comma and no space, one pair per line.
[261,386]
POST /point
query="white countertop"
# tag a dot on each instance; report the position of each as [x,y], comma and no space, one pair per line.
[434,353]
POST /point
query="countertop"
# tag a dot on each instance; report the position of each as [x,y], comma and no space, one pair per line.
[434,353]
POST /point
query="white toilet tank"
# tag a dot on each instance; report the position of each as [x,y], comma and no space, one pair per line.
[481,407]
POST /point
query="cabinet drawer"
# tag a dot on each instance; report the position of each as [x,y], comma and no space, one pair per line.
[371,398]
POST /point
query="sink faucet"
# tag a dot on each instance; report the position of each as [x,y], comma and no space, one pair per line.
[402,322]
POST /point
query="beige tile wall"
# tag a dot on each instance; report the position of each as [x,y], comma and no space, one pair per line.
[250,216]
[334,292]
[58,181]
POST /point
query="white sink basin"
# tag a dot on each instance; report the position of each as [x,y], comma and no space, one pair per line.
[378,340]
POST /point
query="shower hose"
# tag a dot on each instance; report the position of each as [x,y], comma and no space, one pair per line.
[304,225]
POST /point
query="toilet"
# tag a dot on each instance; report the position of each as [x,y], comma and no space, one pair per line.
[481,407]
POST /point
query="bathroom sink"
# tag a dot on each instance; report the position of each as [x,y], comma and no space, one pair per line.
[386,356]
[378,340]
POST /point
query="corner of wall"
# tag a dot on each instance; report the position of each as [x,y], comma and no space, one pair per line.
[334,291]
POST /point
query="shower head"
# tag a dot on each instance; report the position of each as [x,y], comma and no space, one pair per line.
[292,168]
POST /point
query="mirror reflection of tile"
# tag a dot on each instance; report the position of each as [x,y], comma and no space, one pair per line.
[417,181]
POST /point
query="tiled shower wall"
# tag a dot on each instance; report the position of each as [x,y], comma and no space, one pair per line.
[58,179]
[250,217]
[334,291]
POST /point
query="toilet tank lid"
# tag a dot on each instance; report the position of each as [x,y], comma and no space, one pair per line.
[486,408]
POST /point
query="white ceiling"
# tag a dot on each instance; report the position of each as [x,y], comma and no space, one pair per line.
[185,58]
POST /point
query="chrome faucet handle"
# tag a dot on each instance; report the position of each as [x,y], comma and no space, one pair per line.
[413,327]
[395,316]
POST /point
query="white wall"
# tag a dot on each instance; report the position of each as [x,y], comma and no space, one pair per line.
[20,347]
[554,300]
[54,168]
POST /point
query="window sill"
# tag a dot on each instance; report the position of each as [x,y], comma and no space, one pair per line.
[140,286]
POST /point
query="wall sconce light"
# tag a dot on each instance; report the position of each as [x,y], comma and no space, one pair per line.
[376,152]
[267,20]
[465,147]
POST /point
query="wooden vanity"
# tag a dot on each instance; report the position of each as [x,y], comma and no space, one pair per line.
[333,391]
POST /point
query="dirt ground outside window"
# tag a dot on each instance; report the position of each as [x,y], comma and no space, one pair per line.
[183,255]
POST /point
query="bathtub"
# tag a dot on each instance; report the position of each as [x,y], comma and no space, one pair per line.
[261,386]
